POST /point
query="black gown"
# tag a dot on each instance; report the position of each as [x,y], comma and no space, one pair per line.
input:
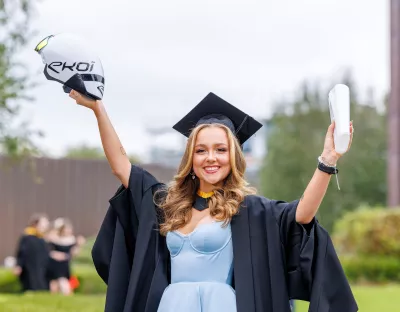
[33,258]
[275,258]
[60,268]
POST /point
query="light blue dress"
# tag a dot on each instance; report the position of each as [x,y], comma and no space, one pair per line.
[201,271]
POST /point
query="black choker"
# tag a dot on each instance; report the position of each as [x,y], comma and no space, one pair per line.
[201,201]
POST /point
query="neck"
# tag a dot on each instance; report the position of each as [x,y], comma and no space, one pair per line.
[207,188]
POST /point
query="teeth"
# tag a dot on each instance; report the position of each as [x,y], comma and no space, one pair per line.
[211,168]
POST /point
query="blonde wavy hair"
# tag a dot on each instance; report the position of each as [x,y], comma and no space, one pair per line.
[177,199]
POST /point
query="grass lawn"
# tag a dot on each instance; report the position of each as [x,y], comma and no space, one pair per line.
[51,303]
[369,298]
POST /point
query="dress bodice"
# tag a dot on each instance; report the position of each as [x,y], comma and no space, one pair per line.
[204,255]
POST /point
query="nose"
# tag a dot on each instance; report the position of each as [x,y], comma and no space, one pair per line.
[211,157]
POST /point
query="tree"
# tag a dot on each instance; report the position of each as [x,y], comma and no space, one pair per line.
[296,140]
[15,138]
[84,151]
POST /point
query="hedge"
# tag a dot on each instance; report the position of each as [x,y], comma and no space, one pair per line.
[85,254]
[369,232]
[368,243]
[90,282]
[379,270]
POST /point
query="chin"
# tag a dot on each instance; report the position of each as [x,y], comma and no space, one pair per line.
[214,181]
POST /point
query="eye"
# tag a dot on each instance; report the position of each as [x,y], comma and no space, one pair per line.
[222,150]
[199,151]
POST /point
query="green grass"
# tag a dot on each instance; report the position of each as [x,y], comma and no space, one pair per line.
[369,298]
[51,303]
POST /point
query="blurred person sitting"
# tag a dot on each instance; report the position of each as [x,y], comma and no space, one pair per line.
[33,255]
[63,246]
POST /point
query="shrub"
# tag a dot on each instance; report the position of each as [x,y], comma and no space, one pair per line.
[361,269]
[369,232]
[8,282]
[85,254]
[90,282]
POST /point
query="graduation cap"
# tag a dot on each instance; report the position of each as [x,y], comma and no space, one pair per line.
[212,109]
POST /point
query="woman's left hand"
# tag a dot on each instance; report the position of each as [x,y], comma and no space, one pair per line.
[329,154]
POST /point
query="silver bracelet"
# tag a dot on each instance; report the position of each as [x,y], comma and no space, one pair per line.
[323,161]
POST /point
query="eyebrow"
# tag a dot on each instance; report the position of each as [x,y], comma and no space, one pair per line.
[216,144]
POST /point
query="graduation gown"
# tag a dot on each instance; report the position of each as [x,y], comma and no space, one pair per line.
[275,258]
[33,257]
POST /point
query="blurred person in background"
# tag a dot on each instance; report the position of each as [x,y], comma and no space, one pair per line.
[63,245]
[33,255]
[206,242]
[55,256]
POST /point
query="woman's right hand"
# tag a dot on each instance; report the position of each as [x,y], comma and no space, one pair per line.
[83,100]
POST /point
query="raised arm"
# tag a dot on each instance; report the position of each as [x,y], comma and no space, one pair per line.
[113,149]
[316,189]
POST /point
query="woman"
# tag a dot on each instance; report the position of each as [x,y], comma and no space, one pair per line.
[33,255]
[63,246]
[206,242]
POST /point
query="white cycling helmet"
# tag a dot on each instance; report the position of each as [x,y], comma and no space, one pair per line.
[69,61]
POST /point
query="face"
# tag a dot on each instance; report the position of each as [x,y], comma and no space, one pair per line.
[211,162]
[67,230]
[43,225]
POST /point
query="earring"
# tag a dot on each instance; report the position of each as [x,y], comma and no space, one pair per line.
[193,175]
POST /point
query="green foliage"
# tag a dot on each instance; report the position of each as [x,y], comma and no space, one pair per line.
[295,140]
[15,138]
[8,282]
[371,269]
[90,282]
[368,244]
[85,254]
[369,232]
[85,151]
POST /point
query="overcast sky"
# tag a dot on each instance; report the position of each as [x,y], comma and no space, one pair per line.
[162,57]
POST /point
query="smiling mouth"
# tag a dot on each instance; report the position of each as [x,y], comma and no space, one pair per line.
[211,169]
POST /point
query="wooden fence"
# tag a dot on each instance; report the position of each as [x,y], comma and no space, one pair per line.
[75,189]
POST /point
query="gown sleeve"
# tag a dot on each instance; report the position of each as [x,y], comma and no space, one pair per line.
[313,269]
[21,252]
[122,217]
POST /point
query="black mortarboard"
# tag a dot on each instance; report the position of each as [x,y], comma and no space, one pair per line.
[212,109]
